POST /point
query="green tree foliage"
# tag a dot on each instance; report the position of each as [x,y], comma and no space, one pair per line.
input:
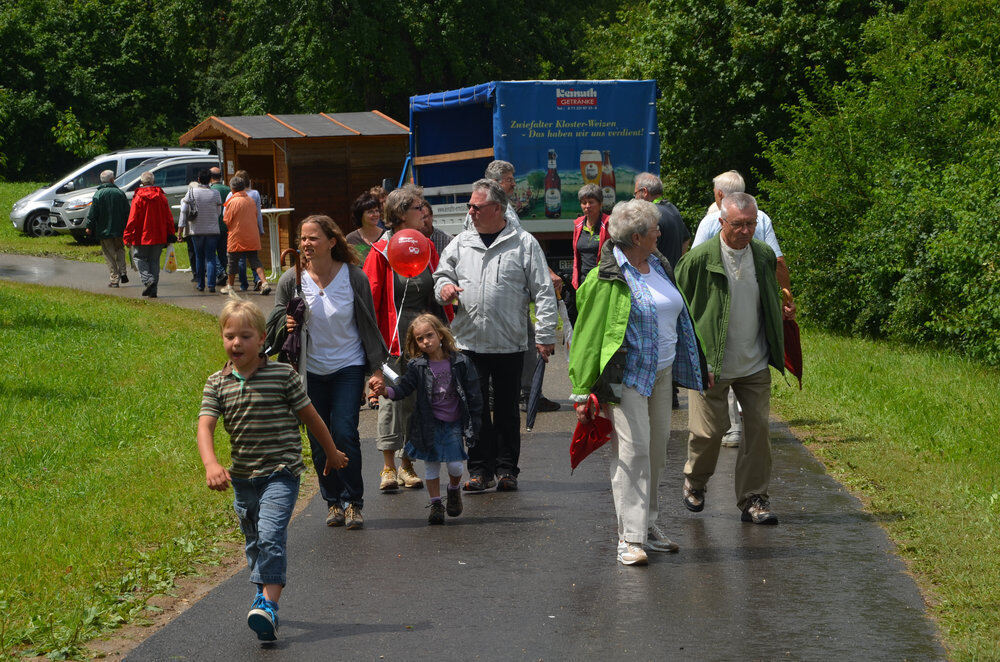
[77,72]
[726,70]
[77,69]
[888,192]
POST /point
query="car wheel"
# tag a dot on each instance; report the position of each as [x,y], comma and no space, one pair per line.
[37,225]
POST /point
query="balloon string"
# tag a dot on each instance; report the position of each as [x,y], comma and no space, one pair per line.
[395,330]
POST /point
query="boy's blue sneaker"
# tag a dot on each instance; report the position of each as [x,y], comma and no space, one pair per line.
[263,618]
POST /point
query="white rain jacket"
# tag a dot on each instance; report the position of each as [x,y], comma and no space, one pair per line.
[498,283]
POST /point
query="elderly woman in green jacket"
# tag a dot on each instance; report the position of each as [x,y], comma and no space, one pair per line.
[633,338]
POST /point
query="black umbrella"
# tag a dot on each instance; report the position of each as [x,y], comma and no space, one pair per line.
[536,391]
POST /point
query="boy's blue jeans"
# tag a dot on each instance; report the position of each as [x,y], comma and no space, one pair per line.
[264,506]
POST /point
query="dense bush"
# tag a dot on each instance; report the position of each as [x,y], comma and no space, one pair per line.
[887,196]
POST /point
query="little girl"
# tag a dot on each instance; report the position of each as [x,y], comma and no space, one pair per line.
[446,412]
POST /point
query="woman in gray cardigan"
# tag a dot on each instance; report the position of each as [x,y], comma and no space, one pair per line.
[341,344]
[203,228]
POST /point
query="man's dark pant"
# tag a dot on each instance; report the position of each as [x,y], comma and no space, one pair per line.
[498,449]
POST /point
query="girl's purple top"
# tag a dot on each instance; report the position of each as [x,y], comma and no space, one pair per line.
[444,399]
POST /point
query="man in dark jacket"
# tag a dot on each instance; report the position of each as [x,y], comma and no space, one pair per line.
[106,222]
[675,238]
[730,287]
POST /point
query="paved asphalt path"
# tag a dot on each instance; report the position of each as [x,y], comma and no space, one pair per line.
[532,575]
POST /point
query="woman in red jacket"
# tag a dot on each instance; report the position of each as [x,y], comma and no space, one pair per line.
[149,229]
[589,233]
[398,301]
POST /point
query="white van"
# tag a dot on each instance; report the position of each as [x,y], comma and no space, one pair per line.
[30,214]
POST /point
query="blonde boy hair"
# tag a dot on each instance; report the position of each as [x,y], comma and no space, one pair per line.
[246,311]
[412,349]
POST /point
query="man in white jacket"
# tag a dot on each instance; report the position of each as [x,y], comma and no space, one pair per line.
[493,270]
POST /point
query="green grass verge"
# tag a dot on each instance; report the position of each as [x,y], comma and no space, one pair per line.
[102,494]
[62,245]
[913,432]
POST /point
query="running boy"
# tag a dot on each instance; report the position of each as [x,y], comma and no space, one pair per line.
[261,404]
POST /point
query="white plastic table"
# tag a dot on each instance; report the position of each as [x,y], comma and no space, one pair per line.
[272,214]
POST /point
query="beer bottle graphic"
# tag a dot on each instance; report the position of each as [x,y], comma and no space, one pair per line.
[608,189]
[553,189]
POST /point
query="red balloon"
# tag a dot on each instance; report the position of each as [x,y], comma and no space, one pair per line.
[408,253]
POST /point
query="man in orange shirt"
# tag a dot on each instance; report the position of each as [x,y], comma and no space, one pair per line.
[240,216]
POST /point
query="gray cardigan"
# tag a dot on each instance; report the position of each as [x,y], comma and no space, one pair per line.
[364,316]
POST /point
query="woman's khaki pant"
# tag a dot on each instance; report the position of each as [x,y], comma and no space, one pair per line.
[708,420]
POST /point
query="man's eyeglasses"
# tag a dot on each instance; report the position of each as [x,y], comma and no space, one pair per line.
[417,205]
[739,227]
[479,208]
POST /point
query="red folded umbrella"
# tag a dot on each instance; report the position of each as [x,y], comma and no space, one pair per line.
[793,344]
[589,436]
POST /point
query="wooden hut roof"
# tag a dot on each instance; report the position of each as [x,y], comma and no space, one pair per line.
[244,128]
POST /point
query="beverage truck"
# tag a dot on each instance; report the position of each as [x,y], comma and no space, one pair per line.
[558,134]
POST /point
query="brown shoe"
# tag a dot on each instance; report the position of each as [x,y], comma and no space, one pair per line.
[335,516]
[353,517]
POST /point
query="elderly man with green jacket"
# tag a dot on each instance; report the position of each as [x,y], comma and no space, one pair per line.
[729,284]
[107,216]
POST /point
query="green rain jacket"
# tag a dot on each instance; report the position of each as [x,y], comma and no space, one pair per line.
[108,212]
[597,351]
[701,278]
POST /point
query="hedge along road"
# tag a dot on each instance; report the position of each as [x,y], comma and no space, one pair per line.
[532,574]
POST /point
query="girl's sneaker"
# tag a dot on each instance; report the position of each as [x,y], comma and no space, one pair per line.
[454,506]
[263,618]
[437,513]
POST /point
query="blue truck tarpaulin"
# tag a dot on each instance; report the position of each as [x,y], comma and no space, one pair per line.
[560,135]
[461,97]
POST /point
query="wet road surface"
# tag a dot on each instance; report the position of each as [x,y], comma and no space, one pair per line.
[532,575]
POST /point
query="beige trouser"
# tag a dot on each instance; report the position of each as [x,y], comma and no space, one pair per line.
[114,256]
[639,441]
[393,420]
[708,420]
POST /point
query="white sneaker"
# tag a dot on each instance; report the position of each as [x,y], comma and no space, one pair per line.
[657,541]
[629,553]
[732,439]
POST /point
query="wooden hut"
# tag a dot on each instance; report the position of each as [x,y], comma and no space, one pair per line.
[317,164]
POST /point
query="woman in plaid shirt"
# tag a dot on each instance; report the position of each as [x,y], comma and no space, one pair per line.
[634,338]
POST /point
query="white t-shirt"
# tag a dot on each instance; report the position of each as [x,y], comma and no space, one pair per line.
[746,343]
[710,226]
[334,341]
[668,304]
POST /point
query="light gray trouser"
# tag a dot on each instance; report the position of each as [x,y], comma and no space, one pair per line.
[147,261]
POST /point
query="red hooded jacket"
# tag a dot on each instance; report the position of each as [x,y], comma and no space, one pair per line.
[383,283]
[150,220]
